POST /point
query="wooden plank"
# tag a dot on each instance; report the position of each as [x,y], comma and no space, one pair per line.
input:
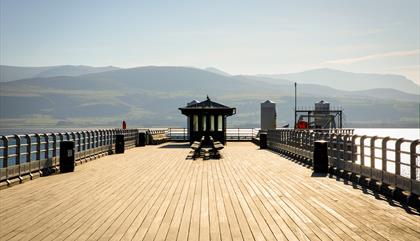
[194,231]
[233,207]
[204,209]
[178,199]
[84,220]
[214,219]
[175,224]
[229,227]
[183,228]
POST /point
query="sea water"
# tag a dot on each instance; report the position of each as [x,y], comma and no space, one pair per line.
[406,133]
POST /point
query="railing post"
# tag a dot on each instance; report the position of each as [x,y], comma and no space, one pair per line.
[97,138]
[105,137]
[384,154]
[29,154]
[6,157]
[60,139]
[372,151]
[108,140]
[362,150]
[353,153]
[398,156]
[91,137]
[413,158]
[54,153]
[347,147]
[238,135]
[101,142]
[47,148]
[17,158]
[338,141]
[38,152]
[88,142]
[79,141]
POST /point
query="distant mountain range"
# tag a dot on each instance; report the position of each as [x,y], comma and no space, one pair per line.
[10,73]
[217,71]
[150,96]
[342,80]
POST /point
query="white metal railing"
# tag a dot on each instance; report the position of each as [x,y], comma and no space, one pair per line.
[28,154]
[392,161]
[232,134]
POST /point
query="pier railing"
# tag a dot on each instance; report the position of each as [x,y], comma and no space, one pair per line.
[30,154]
[232,134]
[386,160]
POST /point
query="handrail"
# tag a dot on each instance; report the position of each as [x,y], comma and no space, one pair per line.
[232,134]
[29,154]
[394,162]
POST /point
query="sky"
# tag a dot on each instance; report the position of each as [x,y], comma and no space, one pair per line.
[239,37]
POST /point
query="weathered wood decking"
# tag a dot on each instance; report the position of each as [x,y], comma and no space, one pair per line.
[154,193]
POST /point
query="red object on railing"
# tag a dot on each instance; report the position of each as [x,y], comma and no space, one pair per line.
[124,125]
[302,125]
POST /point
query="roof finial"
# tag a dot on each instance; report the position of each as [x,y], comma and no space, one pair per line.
[208,98]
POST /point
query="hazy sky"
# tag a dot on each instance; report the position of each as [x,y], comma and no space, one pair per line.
[249,37]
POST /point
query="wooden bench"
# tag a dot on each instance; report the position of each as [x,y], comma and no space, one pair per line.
[157,137]
[196,146]
[216,147]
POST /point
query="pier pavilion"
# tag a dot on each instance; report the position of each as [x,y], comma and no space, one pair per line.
[207,118]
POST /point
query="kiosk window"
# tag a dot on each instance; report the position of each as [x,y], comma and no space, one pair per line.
[211,122]
[195,122]
[204,123]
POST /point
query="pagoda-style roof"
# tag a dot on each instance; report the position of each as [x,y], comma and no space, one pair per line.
[208,106]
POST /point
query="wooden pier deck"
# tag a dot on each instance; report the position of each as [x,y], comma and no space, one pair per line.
[154,193]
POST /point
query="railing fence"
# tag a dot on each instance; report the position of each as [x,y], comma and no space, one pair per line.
[391,161]
[31,154]
[232,134]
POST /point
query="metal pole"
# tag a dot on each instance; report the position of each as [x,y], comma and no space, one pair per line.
[294,124]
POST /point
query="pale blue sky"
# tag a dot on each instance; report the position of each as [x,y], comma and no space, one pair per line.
[240,37]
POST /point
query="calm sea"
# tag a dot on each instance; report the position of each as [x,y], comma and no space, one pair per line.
[406,133]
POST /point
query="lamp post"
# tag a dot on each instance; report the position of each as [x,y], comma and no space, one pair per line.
[294,124]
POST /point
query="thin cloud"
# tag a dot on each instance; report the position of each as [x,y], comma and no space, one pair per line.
[373,56]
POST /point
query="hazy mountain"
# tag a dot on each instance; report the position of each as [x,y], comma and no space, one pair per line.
[270,80]
[217,71]
[388,94]
[150,96]
[10,73]
[150,78]
[349,81]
